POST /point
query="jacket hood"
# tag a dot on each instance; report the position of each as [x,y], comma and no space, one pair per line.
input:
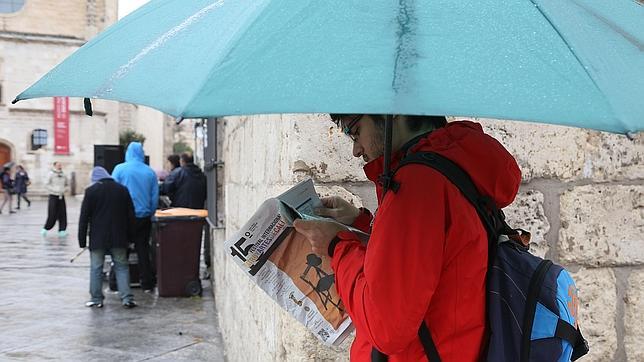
[192,169]
[134,152]
[99,173]
[492,168]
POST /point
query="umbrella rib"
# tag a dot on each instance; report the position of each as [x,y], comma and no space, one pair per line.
[592,79]
[199,89]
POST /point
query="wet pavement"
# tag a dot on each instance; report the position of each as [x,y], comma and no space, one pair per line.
[42,312]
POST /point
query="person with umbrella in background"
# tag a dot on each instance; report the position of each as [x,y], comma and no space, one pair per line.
[141,181]
[7,186]
[21,183]
[56,184]
[107,213]
[426,260]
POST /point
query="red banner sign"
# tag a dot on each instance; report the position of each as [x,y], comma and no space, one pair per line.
[61,125]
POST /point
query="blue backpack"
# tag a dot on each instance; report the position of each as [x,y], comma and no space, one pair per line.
[531,303]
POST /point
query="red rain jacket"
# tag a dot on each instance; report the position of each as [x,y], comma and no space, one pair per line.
[427,254]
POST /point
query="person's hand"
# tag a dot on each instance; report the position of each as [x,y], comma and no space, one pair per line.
[319,233]
[339,209]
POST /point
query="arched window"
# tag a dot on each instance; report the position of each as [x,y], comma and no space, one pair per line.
[11,6]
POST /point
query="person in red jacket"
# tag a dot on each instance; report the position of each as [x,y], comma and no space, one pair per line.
[426,258]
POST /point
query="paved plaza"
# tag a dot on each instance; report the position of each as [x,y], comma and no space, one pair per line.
[42,312]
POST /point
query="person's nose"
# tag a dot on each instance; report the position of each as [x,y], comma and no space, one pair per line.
[357,149]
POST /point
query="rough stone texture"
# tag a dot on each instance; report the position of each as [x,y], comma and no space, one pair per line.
[326,150]
[613,157]
[603,225]
[597,309]
[325,191]
[634,303]
[568,153]
[557,152]
[526,212]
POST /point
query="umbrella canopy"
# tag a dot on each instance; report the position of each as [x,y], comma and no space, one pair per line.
[577,62]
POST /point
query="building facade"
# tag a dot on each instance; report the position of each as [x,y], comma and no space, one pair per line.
[35,35]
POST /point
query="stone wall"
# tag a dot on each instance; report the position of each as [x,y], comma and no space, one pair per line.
[80,19]
[581,197]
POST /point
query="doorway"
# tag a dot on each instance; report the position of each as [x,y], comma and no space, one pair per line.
[5,154]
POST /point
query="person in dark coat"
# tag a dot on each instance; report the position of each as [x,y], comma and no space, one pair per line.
[173,162]
[107,212]
[186,187]
[20,185]
[7,188]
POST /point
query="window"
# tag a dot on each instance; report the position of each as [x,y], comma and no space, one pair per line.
[38,138]
[11,6]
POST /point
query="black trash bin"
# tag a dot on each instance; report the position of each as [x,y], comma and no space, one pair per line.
[177,235]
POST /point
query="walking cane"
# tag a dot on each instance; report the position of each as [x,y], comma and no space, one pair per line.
[77,255]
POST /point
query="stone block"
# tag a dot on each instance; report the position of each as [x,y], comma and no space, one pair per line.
[613,157]
[326,191]
[526,212]
[602,225]
[257,149]
[325,150]
[541,150]
[634,309]
[549,151]
[597,309]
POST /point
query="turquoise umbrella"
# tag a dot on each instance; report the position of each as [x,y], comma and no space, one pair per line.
[570,62]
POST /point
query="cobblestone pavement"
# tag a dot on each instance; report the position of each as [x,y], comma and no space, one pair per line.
[42,312]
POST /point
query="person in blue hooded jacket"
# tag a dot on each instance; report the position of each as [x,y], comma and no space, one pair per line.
[142,184]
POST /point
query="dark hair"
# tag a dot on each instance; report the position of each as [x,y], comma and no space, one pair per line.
[415,123]
[187,158]
[174,160]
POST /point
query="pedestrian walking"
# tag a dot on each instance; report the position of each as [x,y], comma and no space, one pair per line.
[56,185]
[107,213]
[7,188]
[142,184]
[424,267]
[20,185]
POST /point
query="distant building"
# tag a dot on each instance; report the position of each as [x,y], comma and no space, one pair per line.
[35,35]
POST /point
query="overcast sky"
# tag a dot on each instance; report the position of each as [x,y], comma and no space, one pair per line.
[127,6]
